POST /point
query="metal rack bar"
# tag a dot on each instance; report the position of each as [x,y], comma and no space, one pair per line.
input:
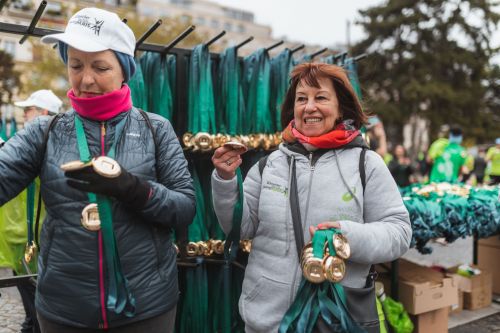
[177,39]
[298,48]
[148,33]
[34,21]
[216,38]
[274,45]
[246,41]
[318,52]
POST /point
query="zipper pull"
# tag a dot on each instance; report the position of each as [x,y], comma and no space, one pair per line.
[103,128]
[103,135]
[311,161]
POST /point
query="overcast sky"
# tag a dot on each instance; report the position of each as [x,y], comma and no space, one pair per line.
[308,21]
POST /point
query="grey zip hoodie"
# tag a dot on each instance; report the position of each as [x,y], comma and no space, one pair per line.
[376,224]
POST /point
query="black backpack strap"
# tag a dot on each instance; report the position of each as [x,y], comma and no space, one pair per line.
[51,123]
[262,164]
[295,208]
[362,172]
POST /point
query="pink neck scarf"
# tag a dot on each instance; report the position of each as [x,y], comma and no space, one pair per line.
[104,107]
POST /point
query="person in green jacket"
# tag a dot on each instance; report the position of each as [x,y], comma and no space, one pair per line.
[450,159]
[493,156]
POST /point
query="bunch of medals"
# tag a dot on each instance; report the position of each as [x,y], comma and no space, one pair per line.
[205,142]
[104,166]
[443,188]
[213,246]
[330,267]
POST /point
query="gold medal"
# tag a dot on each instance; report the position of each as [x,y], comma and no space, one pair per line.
[106,167]
[74,165]
[218,246]
[341,246]
[203,141]
[29,252]
[313,270]
[90,217]
[334,268]
[192,249]
[246,245]
[187,140]
[102,165]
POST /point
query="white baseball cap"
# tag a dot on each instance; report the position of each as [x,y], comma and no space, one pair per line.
[95,30]
[43,99]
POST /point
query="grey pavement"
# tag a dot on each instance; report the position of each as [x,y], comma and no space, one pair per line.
[11,308]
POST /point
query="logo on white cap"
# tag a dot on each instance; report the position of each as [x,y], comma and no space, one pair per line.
[43,99]
[95,30]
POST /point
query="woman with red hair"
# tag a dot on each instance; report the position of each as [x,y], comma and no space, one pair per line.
[319,160]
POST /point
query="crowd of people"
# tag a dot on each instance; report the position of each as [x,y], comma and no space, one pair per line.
[115,184]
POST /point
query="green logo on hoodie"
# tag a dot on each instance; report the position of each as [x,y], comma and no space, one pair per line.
[348,196]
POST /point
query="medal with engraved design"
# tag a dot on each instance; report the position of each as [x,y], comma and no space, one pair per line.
[313,270]
[342,247]
[90,217]
[334,268]
[106,167]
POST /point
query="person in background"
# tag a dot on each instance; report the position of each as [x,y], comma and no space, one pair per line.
[480,165]
[493,156]
[40,103]
[449,159]
[321,146]
[376,136]
[115,184]
[400,167]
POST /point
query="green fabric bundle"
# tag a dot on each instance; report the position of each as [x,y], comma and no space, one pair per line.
[193,309]
[137,88]
[157,91]
[201,106]
[352,72]
[257,88]
[281,66]
[230,102]
[451,216]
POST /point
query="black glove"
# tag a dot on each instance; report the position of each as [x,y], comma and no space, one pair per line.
[126,187]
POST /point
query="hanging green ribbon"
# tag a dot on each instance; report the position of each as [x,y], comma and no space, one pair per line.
[13,127]
[120,298]
[257,87]
[137,87]
[352,72]
[30,210]
[230,102]
[201,105]
[3,129]
[281,66]
[326,300]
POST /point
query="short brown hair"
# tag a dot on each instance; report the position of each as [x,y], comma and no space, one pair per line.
[349,104]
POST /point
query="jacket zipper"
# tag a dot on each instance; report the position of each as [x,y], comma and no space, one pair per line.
[102,293]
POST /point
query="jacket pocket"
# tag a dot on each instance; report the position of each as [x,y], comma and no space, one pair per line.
[265,305]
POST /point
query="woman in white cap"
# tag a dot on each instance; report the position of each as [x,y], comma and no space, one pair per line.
[115,183]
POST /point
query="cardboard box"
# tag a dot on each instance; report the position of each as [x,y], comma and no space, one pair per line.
[457,308]
[490,241]
[434,321]
[422,289]
[478,298]
[468,284]
[488,260]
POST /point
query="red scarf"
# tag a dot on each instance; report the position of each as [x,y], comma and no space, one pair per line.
[341,135]
[104,107]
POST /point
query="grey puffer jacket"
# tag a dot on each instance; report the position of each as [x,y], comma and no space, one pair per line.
[376,224]
[69,289]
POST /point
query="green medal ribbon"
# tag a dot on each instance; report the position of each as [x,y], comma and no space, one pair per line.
[120,298]
[30,209]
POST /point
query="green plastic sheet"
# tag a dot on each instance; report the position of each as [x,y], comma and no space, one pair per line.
[281,66]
